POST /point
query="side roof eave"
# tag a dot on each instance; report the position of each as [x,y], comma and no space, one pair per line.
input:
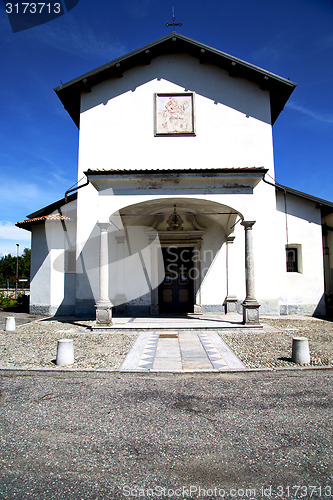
[39,214]
[54,206]
[280,88]
[325,205]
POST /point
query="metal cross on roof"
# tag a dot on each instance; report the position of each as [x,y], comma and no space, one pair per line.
[173,24]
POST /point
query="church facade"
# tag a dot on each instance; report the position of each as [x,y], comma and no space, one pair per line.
[176,208]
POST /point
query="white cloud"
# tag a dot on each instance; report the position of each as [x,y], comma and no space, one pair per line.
[311,113]
[15,193]
[10,235]
[138,8]
[23,198]
[74,38]
[323,44]
[273,51]
[9,231]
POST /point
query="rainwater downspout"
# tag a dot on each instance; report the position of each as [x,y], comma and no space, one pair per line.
[75,188]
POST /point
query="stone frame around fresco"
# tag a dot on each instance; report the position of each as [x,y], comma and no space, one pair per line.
[158,124]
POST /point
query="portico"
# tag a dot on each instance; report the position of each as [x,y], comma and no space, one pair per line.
[182,248]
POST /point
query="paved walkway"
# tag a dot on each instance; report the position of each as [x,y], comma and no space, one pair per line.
[208,321]
[180,351]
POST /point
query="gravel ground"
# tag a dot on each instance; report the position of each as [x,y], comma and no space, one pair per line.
[271,347]
[34,344]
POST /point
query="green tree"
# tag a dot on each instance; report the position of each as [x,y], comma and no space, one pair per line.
[8,268]
[24,264]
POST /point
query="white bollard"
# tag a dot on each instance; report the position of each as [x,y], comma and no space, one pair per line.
[300,351]
[10,324]
[65,352]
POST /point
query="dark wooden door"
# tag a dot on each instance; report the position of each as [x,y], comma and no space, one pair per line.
[176,292]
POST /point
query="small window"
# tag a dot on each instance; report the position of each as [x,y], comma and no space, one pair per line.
[292,260]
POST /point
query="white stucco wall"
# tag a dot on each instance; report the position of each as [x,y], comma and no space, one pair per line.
[232,120]
[40,272]
[52,288]
[302,291]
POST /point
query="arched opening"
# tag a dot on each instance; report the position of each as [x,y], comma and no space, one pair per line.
[167,253]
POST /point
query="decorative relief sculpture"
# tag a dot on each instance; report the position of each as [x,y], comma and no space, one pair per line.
[174,114]
[175,222]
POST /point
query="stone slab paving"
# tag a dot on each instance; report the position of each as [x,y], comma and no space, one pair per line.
[193,353]
[148,353]
[167,355]
[209,321]
[181,351]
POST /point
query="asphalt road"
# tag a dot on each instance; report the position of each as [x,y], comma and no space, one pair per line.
[257,435]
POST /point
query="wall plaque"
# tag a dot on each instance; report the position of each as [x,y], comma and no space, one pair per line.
[174,114]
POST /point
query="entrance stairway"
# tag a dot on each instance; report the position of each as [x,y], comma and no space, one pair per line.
[209,321]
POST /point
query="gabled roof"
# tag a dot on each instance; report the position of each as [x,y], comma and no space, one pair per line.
[280,88]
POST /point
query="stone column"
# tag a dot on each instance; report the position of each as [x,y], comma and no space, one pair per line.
[103,306]
[230,302]
[250,304]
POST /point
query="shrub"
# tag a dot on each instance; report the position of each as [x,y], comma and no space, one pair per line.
[6,302]
[21,303]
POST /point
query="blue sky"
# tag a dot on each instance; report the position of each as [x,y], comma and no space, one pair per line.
[39,141]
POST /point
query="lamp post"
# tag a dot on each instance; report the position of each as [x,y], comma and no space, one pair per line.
[16,281]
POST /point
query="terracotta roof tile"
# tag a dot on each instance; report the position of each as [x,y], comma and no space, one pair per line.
[44,218]
[170,171]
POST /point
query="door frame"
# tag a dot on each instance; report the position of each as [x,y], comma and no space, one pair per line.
[175,285]
[192,240]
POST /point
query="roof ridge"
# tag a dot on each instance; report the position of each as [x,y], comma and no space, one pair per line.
[279,87]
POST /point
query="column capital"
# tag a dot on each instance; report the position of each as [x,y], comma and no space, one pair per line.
[104,226]
[248,224]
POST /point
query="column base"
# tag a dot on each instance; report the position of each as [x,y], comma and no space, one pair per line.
[230,305]
[197,309]
[250,312]
[104,313]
